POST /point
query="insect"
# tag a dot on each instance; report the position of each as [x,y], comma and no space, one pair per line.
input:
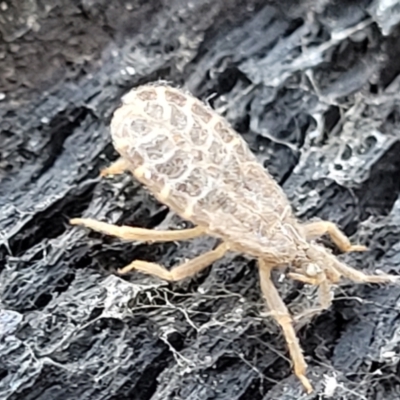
[193,161]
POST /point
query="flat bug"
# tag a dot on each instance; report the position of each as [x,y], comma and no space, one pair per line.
[192,160]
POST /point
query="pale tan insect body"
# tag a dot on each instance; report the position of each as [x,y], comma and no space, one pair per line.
[192,160]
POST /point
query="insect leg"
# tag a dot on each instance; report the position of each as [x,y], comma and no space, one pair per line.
[140,234]
[281,314]
[117,167]
[324,294]
[319,228]
[179,272]
[303,278]
[359,276]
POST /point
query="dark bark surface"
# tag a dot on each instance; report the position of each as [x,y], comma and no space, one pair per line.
[314,89]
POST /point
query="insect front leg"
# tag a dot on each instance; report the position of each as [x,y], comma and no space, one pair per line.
[185,270]
[359,276]
[316,229]
[281,314]
[140,234]
[324,293]
[335,269]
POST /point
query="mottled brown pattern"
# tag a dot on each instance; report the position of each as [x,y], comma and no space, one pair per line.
[198,135]
[176,98]
[147,94]
[202,112]
[224,132]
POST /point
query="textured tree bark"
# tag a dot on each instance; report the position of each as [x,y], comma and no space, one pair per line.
[313,87]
